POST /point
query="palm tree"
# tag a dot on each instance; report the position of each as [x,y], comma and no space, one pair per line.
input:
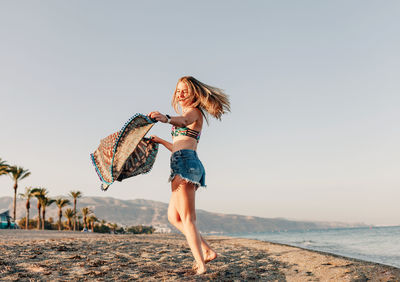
[78,221]
[39,193]
[85,212]
[75,195]
[3,167]
[113,226]
[92,219]
[69,214]
[103,223]
[45,203]
[27,195]
[60,202]
[17,173]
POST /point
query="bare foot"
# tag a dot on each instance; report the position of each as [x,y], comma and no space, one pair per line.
[209,256]
[201,270]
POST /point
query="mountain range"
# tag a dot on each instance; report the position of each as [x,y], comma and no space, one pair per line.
[147,212]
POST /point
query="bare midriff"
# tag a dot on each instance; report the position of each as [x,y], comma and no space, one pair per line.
[184,142]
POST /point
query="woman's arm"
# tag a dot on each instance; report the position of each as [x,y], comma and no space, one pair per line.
[181,121]
[161,141]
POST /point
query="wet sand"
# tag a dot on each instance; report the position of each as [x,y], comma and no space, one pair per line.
[60,256]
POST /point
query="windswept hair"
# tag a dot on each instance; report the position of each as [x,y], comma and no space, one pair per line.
[206,98]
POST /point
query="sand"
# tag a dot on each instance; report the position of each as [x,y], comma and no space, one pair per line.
[62,256]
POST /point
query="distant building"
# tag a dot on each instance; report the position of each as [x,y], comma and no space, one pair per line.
[161,229]
[6,222]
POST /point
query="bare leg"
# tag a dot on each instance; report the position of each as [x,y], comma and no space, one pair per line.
[173,216]
[185,205]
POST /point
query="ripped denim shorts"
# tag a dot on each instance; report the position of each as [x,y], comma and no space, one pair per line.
[187,165]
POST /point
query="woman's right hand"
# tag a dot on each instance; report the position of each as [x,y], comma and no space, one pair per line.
[158,116]
[156,139]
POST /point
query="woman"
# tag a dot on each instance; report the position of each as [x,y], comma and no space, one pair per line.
[187,172]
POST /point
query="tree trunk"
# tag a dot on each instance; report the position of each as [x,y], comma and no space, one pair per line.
[43,217]
[28,206]
[74,214]
[39,218]
[59,219]
[15,201]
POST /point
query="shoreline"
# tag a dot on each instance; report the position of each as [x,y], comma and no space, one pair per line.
[318,251]
[65,255]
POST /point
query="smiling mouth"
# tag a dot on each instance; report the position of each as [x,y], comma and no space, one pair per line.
[183,99]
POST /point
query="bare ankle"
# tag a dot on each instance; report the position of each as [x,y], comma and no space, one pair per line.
[201,269]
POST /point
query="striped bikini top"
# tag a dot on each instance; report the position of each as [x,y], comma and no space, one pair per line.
[186,132]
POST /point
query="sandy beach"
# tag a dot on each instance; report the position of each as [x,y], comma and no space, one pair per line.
[55,256]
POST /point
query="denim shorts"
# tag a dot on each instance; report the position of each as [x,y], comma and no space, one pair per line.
[187,165]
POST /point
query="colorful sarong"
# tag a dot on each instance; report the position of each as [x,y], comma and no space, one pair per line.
[125,153]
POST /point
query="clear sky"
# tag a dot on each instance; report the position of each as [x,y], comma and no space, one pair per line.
[314,85]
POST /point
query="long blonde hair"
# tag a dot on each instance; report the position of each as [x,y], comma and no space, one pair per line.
[206,98]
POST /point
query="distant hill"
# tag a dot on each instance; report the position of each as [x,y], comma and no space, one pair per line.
[147,212]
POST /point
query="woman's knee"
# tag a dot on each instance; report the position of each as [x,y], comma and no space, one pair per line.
[173,217]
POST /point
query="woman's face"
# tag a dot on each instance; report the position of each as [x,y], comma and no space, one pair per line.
[182,94]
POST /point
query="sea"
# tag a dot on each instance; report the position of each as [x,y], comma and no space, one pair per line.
[374,244]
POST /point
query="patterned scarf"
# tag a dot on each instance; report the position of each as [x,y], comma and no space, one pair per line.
[125,153]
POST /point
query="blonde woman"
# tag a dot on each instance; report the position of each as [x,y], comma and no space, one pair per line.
[196,100]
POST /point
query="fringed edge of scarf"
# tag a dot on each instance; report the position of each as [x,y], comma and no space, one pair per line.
[98,171]
[122,131]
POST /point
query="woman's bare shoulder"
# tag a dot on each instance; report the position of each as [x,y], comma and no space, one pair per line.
[195,111]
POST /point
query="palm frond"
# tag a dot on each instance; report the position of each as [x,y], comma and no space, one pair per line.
[47,201]
[4,167]
[69,213]
[40,193]
[18,172]
[76,194]
[60,202]
[86,211]
[28,193]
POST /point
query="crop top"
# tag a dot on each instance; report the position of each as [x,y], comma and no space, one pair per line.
[186,132]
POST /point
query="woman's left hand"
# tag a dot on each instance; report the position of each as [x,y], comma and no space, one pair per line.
[156,139]
[158,116]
